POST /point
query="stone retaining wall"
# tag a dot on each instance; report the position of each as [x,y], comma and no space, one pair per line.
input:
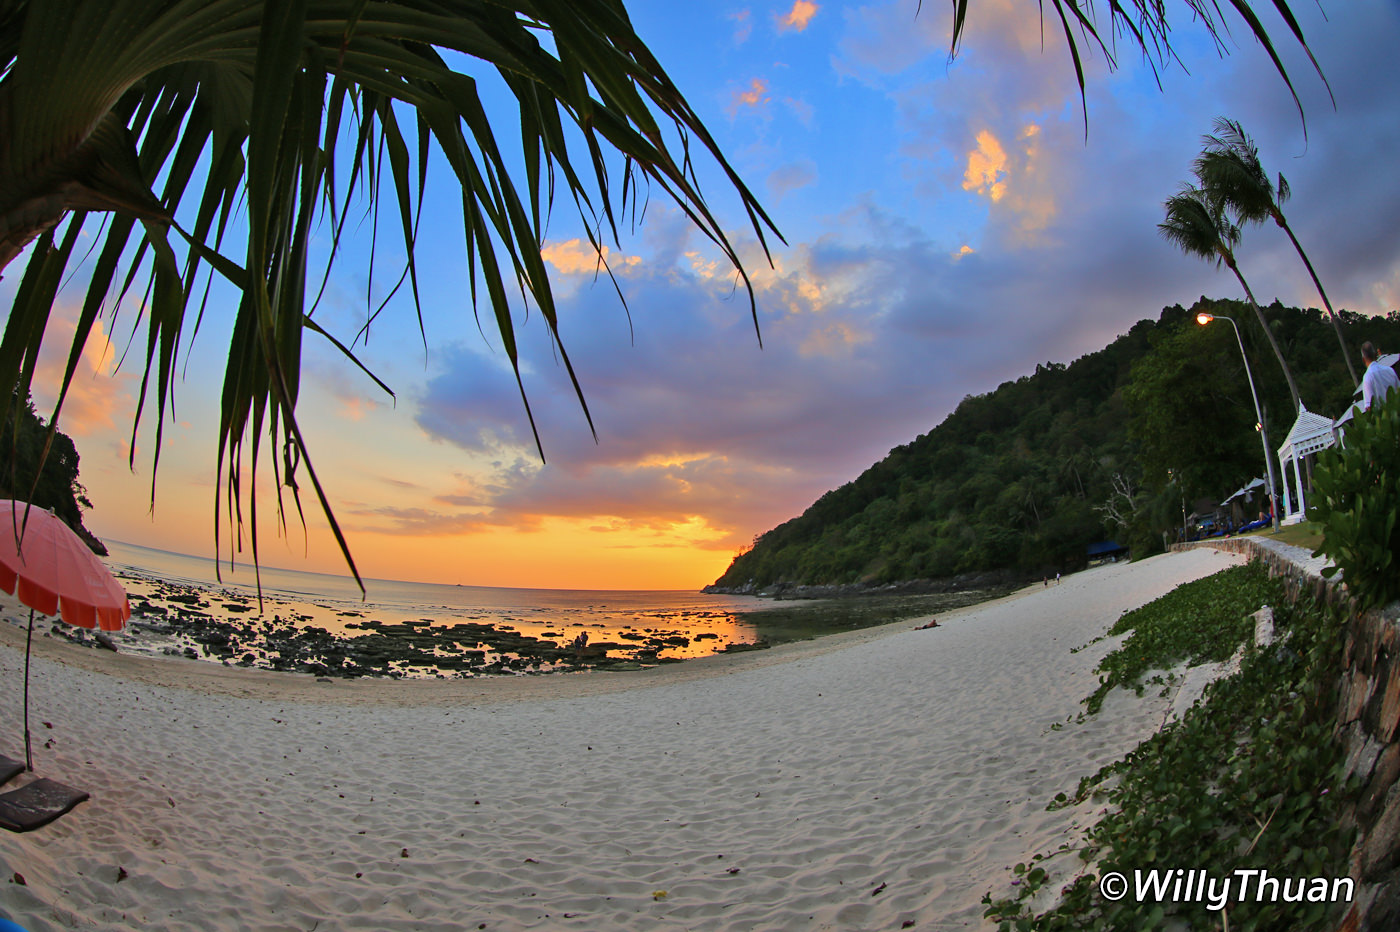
[1368,712]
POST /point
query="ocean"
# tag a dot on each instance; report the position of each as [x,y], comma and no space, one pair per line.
[319,623]
[335,603]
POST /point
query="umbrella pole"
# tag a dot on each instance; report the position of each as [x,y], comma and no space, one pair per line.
[28,640]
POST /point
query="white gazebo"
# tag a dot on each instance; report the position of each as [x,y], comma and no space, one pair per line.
[1310,433]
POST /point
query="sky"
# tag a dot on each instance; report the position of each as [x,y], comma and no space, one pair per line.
[949,224]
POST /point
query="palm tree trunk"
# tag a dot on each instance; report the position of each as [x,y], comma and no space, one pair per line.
[1336,321]
[22,224]
[1287,372]
[97,170]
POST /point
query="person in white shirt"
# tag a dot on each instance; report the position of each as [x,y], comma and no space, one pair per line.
[1378,381]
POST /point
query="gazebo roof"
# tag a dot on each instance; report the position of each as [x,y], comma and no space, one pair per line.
[1310,433]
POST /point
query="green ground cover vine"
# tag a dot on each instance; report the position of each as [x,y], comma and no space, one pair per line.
[1203,621]
[1249,778]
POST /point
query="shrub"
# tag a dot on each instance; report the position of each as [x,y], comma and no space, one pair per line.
[1356,500]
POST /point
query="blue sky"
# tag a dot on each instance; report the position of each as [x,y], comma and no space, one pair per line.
[948,227]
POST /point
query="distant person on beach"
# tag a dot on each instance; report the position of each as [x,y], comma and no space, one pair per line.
[1378,381]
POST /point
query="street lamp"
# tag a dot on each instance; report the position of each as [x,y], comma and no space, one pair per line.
[1204,319]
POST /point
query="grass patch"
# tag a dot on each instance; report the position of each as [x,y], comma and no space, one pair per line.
[1250,778]
[1305,534]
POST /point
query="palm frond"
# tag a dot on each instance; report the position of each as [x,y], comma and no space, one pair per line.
[1231,174]
[1144,25]
[1197,226]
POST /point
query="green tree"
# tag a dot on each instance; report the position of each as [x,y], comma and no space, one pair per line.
[42,468]
[165,114]
[1200,228]
[1357,502]
[1231,174]
[1191,413]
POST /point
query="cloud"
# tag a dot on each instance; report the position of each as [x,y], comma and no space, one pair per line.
[886,39]
[578,257]
[874,327]
[986,167]
[1015,183]
[743,27]
[417,522]
[755,95]
[801,109]
[355,409]
[799,16]
[98,395]
[693,420]
[790,177]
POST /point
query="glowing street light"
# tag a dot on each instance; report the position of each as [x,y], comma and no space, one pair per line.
[1203,319]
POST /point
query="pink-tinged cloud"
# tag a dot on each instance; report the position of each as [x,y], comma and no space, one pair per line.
[755,95]
[355,409]
[98,397]
[743,28]
[799,16]
[986,168]
[578,257]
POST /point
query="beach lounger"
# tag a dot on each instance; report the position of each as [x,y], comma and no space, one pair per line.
[37,804]
[9,769]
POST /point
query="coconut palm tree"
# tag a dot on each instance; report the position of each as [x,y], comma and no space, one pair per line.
[1231,173]
[1200,228]
[215,134]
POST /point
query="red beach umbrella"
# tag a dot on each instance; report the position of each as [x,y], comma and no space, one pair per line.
[50,569]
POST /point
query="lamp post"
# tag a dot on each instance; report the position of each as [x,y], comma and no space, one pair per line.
[1204,319]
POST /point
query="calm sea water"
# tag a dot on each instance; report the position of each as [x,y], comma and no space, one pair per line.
[335,603]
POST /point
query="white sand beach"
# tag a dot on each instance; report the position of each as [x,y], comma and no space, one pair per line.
[882,779]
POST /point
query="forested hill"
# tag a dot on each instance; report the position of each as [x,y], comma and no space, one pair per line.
[1016,479]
